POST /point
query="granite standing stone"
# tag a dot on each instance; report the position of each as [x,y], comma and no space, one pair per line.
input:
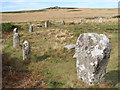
[100,20]
[16,40]
[63,22]
[92,53]
[15,30]
[30,28]
[82,20]
[46,24]
[26,50]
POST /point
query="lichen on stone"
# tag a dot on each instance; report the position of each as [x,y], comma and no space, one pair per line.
[92,52]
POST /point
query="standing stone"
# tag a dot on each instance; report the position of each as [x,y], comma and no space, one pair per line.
[100,20]
[26,50]
[16,40]
[46,24]
[30,28]
[15,30]
[63,22]
[82,20]
[92,53]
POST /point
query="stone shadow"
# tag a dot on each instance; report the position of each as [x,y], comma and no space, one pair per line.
[15,62]
[11,69]
[41,58]
[113,77]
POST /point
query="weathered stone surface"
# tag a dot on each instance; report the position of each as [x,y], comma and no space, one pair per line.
[46,24]
[92,53]
[63,22]
[15,30]
[26,50]
[31,28]
[75,55]
[100,20]
[16,40]
[69,47]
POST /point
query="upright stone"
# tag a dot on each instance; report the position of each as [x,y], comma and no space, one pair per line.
[46,24]
[100,20]
[82,20]
[30,28]
[15,30]
[16,40]
[63,22]
[92,53]
[26,50]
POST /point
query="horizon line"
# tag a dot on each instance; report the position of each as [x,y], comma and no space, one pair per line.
[58,8]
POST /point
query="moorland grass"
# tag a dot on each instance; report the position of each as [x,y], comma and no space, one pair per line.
[53,62]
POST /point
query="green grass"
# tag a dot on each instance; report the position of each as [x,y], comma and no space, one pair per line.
[8,27]
[118,16]
[53,62]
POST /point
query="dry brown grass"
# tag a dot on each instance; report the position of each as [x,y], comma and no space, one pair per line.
[69,15]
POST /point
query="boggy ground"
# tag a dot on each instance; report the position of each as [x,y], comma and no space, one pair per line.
[52,66]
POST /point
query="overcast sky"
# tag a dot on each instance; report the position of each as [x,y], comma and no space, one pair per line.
[17,5]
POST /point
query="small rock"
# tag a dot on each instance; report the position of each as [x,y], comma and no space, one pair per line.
[37,25]
[70,47]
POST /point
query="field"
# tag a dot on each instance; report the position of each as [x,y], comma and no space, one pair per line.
[51,65]
[69,15]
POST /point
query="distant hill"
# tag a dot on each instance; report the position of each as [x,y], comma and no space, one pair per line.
[40,10]
[56,7]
